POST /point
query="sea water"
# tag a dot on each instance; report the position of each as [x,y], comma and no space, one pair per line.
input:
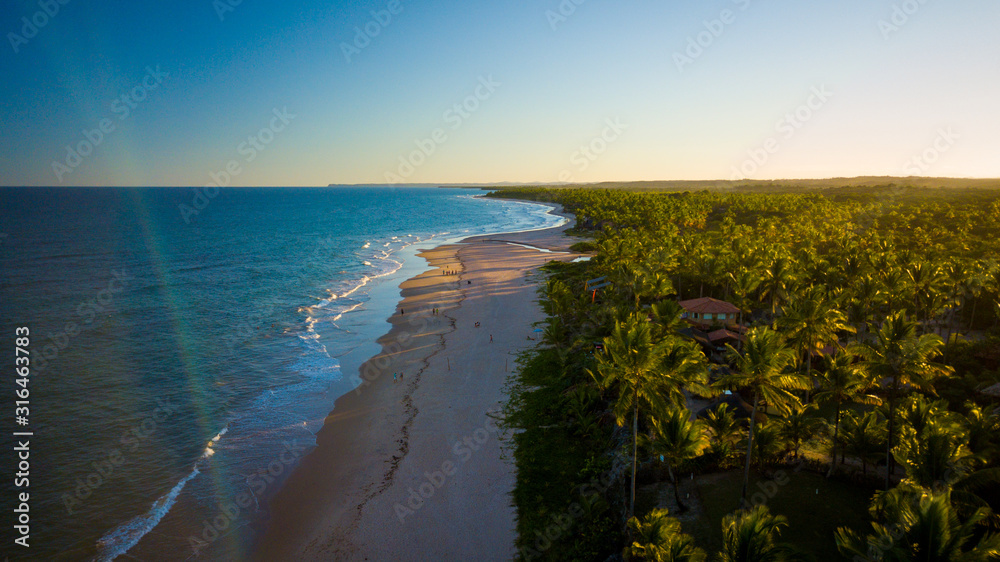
[181,366]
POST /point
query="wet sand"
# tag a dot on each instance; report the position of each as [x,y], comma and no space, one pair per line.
[415,469]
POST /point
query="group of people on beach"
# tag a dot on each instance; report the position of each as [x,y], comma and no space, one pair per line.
[399,374]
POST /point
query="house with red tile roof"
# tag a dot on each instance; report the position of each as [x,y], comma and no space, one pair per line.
[707,311]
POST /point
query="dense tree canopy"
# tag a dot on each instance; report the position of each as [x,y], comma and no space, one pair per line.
[866,331]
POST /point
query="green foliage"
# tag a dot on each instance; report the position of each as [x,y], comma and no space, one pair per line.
[983,427]
[558,450]
[800,425]
[843,382]
[677,439]
[768,444]
[723,425]
[725,432]
[658,538]
[899,268]
[761,369]
[646,374]
[921,526]
[752,536]
[864,438]
[901,359]
[933,448]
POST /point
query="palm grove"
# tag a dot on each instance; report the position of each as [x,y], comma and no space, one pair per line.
[866,349]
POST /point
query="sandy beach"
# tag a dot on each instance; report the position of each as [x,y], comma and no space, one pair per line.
[415,468]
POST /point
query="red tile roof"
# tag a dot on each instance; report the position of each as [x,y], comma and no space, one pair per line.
[708,305]
[723,335]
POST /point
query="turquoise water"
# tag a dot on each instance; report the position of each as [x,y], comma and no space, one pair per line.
[182,368]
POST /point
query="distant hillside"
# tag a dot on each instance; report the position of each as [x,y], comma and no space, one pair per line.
[744,185]
[786,185]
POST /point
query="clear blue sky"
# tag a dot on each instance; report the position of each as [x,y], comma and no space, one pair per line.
[927,88]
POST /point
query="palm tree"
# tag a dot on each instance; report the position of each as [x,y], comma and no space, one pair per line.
[899,357]
[842,381]
[936,456]
[917,414]
[629,278]
[706,266]
[760,370]
[976,490]
[812,321]
[677,439]
[852,266]
[724,429]
[722,423]
[653,286]
[556,333]
[800,425]
[866,292]
[892,281]
[559,300]
[925,280]
[684,366]
[959,274]
[743,282]
[580,407]
[752,536]
[614,252]
[975,287]
[667,318]
[777,282]
[645,374]
[863,438]
[658,537]
[924,527]
[816,270]
[767,443]
[983,428]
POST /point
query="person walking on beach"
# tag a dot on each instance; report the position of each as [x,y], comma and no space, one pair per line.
[394,377]
[491,338]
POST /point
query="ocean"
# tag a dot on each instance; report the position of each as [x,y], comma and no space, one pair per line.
[182,363]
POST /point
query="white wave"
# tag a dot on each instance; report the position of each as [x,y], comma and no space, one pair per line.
[128,534]
[351,309]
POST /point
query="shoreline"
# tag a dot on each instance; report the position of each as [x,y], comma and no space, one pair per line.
[400,467]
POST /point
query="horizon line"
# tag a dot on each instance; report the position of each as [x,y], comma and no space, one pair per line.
[745,181]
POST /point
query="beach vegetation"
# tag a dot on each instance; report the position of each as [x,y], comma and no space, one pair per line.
[862,332]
